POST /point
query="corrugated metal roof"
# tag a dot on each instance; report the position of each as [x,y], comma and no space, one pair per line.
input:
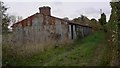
[22,22]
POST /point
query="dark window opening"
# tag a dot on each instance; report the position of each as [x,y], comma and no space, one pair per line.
[72,31]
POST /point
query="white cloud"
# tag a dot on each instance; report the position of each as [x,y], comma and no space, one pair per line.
[57,3]
[60,9]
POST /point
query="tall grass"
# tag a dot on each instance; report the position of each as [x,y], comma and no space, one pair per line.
[12,54]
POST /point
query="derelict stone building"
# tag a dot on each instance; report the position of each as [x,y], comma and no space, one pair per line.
[42,27]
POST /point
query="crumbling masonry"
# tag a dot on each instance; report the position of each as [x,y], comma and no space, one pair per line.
[42,27]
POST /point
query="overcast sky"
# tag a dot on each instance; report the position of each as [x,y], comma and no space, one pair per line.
[60,8]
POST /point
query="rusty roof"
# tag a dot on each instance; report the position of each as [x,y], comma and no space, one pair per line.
[68,21]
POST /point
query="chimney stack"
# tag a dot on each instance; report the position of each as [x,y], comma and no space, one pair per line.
[45,10]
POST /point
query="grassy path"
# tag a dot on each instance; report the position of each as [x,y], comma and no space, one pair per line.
[90,52]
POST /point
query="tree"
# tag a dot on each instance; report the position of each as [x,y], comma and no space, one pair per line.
[4,17]
[83,20]
[114,31]
[118,30]
[103,22]
[14,19]
[0,18]
[95,25]
[19,18]
[66,18]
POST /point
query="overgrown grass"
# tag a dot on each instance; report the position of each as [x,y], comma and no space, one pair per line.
[88,51]
[18,55]
[82,54]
